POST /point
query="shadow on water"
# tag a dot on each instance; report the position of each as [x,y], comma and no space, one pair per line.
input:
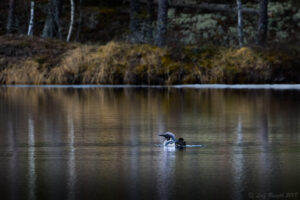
[91,143]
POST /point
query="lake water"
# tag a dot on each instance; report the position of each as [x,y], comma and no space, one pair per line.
[102,143]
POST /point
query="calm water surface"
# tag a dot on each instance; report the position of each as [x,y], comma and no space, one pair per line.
[102,143]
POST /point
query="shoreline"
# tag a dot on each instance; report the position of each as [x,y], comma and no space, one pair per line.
[37,61]
[181,86]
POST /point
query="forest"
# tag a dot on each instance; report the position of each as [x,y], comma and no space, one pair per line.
[149,42]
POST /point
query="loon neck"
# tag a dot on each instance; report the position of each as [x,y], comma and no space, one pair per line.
[169,143]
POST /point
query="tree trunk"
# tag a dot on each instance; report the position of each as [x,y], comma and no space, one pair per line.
[240,22]
[150,10]
[150,19]
[71,20]
[11,16]
[31,21]
[80,20]
[162,22]
[262,23]
[134,20]
[52,27]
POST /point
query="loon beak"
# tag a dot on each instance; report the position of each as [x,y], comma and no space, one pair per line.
[163,135]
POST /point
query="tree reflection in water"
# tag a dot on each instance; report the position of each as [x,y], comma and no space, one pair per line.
[75,143]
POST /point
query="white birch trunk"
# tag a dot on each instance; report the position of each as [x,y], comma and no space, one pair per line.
[31,21]
[240,22]
[72,20]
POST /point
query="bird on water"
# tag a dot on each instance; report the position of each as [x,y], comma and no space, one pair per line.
[171,141]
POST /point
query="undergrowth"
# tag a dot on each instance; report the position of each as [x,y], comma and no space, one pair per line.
[50,62]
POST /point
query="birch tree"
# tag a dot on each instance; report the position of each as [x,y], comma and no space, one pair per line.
[11,16]
[31,20]
[240,22]
[52,27]
[71,20]
[262,22]
[162,22]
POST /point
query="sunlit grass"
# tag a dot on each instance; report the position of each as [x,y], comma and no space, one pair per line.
[47,62]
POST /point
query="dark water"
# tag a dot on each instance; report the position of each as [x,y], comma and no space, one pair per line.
[102,143]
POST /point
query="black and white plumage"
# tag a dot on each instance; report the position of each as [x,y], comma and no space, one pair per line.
[171,141]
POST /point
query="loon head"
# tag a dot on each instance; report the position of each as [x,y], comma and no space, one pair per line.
[170,139]
[168,136]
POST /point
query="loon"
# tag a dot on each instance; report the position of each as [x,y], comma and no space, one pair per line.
[171,140]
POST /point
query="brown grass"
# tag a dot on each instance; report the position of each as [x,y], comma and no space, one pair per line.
[28,73]
[53,62]
[242,65]
[114,63]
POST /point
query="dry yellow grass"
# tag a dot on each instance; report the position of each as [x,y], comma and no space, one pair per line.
[123,63]
[114,63]
[25,73]
[242,65]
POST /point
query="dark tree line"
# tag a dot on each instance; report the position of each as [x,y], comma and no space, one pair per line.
[262,22]
[134,20]
[150,19]
[162,23]
[141,31]
[52,27]
[11,16]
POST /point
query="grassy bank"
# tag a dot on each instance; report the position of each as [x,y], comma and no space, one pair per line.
[26,60]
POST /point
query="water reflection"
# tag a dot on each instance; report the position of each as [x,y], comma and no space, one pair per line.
[13,160]
[165,174]
[102,143]
[238,161]
[71,160]
[31,160]
[264,158]
[134,161]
